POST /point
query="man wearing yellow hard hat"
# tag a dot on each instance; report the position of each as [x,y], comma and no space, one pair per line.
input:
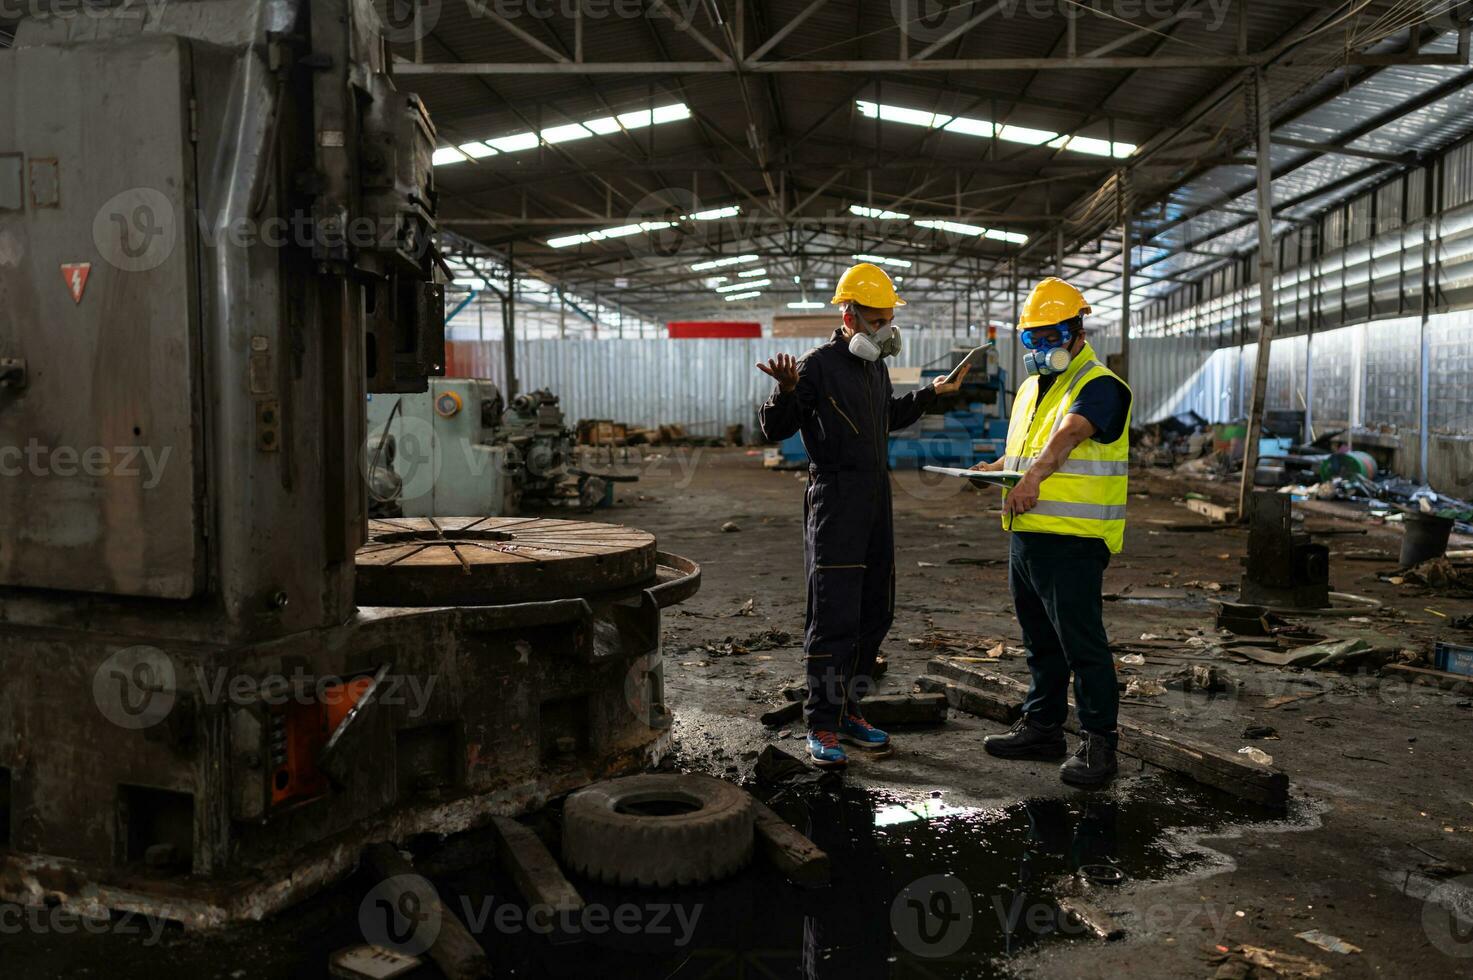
[1069,435]
[839,396]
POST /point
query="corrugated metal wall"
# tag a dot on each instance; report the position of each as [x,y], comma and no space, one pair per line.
[704,385]
[1363,375]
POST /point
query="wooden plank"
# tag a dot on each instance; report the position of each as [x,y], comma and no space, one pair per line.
[970,700]
[797,857]
[1196,760]
[1446,680]
[904,709]
[1216,513]
[456,952]
[789,712]
[535,871]
[879,709]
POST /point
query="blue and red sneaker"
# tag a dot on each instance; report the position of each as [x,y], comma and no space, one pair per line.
[858,732]
[824,750]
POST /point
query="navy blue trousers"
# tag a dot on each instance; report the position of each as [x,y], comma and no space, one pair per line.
[849,557]
[1057,581]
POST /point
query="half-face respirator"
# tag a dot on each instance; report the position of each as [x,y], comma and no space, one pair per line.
[1048,349]
[884,342]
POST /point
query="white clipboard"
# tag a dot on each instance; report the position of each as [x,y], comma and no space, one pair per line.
[1002,478]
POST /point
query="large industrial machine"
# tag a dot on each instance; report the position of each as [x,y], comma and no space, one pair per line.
[456,449]
[221,680]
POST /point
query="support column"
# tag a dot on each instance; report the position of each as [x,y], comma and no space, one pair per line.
[1267,272]
[508,326]
[1127,247]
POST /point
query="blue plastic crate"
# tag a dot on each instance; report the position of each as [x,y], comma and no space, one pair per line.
[1455,658]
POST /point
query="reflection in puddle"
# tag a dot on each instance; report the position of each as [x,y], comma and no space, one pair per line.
[922,885]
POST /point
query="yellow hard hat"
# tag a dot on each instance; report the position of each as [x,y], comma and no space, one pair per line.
[867,285]
[1052,301]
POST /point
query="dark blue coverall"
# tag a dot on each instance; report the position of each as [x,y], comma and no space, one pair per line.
[845,408]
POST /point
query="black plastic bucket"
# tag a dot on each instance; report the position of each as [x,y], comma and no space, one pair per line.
[1425,539]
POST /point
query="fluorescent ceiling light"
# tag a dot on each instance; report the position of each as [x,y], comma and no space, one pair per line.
[583,238]
[968,126]
[810,305]
[603,126]
[730,211]
[752,295]
[517,141]
[671,113]
[743,285]
[562,134]
[882,260]
[895,113]
[961,228]
[1022,134]
[749,273]
[865,212]
[722,263]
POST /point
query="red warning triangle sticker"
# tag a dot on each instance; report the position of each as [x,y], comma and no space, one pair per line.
[75,274]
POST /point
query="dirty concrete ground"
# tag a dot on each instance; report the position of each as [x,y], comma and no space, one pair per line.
[1380,770]
[1382,815]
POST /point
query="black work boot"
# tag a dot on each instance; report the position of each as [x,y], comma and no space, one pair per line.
[1093,763]
[1027,740]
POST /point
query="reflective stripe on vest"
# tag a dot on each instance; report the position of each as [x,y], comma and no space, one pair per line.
[1089,512]
[1079,467]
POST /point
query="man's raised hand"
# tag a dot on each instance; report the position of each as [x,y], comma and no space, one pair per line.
[783,369]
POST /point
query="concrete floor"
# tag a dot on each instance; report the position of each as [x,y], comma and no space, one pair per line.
[1380,774]
[1379,770]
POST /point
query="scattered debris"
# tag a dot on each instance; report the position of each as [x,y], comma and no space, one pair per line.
[1261,732]
[1331,655]
[370,963]
[768,639]
[776,768]
[1327,942]
[1132,660]
[748,608]
[1238,964]
[1096,921]
[731,526]
[1439,573]
[1144,687]
[1257,755]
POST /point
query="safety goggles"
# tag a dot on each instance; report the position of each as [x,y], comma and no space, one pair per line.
[1044,338]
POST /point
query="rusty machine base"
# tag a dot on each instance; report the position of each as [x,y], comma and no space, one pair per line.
[225,784]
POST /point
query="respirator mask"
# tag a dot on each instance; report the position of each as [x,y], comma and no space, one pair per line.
[1048,349]
[884,342]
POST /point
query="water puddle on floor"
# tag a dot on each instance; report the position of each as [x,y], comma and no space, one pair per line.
[922,886]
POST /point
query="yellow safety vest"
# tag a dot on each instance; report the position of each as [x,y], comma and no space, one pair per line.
[1086,496]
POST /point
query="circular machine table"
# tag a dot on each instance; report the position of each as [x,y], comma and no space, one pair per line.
[453,561]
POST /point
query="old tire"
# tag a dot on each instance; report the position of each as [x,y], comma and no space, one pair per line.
[658,830]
